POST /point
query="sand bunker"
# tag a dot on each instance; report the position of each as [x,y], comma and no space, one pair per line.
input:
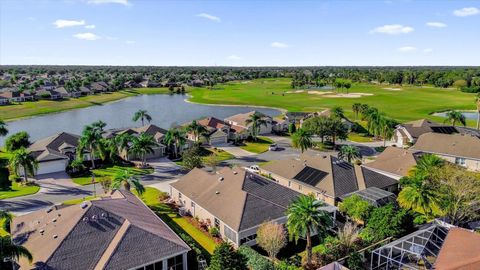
[350,95]
[319,92]
[292,92]
[247,82]
[392,89]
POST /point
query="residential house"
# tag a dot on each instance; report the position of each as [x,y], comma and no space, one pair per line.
[437,245]
[114,232]
[407,134]
[394,162]
[241,121]
[459,148]
[55,152]
[62,91]
[84,91]
[156,132]
[280,124]
[218,132]
[4,101]
[99,87]
[325,176]
[233,200]
[48,94]
[16,96]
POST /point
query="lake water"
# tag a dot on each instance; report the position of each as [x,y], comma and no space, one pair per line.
[166,111]
[468,114]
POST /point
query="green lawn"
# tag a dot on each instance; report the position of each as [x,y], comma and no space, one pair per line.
[18,190]
[2,231]
[205,152]
[410,103]
[258,146]
[361,138]
[105,173]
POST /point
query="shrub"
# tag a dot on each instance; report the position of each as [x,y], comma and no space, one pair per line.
[192,158]
[284,265]
[213,231]
[354,261]
[5,182]
[17,141]
[255,261]
[356,208]
[292,128]
[471,89]
[225,257]
[387,221]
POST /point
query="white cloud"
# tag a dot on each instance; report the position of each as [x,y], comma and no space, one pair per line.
[393,29]
[90,26]
[86,36]
[436,24]
[279,45]
[130,42]
[68,23]
[427,50]
[209,17]
[407,49]
[100,2]
[468,11]
[234,57]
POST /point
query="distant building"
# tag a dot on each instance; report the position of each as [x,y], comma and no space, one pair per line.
[240,122]
[115,232]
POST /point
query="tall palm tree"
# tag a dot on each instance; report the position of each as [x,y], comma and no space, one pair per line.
[3,128]
[9,250]
[337,112]
[118,144]
[426,164]
[418,194]
[126,179]
[143,145]
[92,141]
[349,153]
[21,159]
[455,116]
[196,129]
[302,140]
[304,217]
[387,127]
[336,129]
[7,219]
[142,115]
[356,108]
[257,121]
[477,102]
[175,138]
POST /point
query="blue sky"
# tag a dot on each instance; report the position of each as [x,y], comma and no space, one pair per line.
[239,33]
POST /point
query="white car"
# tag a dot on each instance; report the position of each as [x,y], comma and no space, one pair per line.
[273,147]
[253,168]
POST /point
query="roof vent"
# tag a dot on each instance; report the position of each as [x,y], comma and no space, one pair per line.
[54,220]
[217,192]
[49,209]
[55,236]
[85,219]
[104,215]
[235,173]
[41,231]
[94,217]
[220,178]
[324,156]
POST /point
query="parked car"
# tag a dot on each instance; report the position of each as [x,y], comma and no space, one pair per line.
[273,147]
[253,168]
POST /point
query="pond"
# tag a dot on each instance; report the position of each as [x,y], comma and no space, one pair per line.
[166,111]
[468,114]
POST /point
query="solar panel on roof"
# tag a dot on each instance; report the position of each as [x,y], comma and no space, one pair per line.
[310,176]
[444,129]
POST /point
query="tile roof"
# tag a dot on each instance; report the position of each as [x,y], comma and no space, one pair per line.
[100,234]
[460,250]
[457,145]
[241,118]
[395,160]
[240,199]
[419,127]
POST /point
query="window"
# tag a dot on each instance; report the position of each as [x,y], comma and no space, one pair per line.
[230,234]
[248,239]
[460,161]
[175,263]
[217,223]
[193,204]
[155,266]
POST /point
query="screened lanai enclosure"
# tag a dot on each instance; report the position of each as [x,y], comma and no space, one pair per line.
[418,250]
[375,196]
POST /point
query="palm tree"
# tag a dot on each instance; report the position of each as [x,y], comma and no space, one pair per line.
[418,194]
[455,116]
[176,138]
[9,250]
[387,126]
[118,144]
[3,128]
[142,115]
[336,129]
[7,219]
[426,164]
[356,108]
[349,153]
[304,218]
[196,129]
[257,121]
[143,145]
[21,159]
[477,102]
[126,179]
[92,141]
[337,112]
[302,140]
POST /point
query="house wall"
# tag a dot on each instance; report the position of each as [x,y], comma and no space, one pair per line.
[300,187]
[470,164]
[253,231]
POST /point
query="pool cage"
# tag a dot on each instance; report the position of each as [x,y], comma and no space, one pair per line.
[375,196]
[418,250]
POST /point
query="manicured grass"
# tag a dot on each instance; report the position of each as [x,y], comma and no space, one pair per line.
[107,173]
[361,138]
[411,103]
[205,152]
[258,146]
[33,108]
[18,190]
[78,201]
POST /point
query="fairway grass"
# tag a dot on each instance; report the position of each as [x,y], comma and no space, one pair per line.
[19,190]
[411,103]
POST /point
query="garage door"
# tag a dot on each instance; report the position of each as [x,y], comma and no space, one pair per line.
[52,166]
[218,140]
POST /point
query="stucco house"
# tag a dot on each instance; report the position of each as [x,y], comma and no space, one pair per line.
[244,128]
[114,232]
[407,133]
[233,200]
[460,148]
[325,176]
[218,132]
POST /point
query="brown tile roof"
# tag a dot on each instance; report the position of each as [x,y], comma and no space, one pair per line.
[460,251]
[238,198]
[394,160]
[96,235]
[419,127]
[212,122]
[240,119]
[457,145]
